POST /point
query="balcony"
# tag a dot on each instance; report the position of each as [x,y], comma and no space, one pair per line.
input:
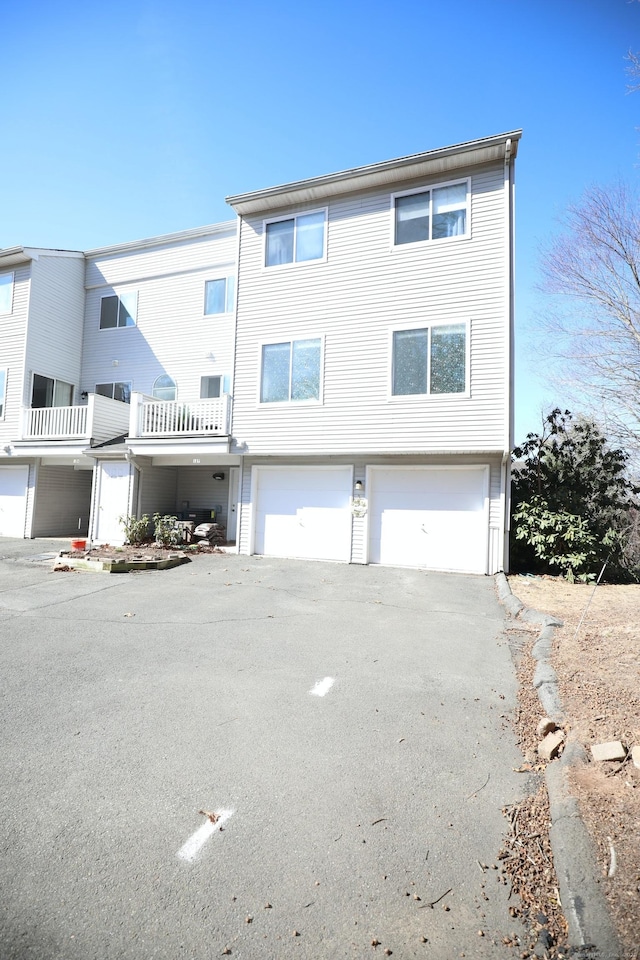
[156,419]
[98,420]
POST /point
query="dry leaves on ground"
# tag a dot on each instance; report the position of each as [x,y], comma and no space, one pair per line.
[599,680]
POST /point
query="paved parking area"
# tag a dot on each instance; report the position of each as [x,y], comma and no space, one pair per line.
[348,723]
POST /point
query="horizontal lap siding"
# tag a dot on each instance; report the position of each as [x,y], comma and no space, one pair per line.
[63,502]
[56,316]
[158,490]
[353,300]
[172,335]
[13,329]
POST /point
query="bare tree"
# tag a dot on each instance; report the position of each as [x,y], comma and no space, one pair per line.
[592,273]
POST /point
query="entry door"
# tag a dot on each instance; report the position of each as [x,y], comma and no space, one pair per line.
[232,509]
[13,500]
[113,502]
[433,518]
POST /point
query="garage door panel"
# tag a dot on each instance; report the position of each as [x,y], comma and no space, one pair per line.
[429,518]
[304,514]
[13,500]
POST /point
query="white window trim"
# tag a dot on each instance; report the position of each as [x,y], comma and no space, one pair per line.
[54,380]
[12,282]
[429,188]
[295,263]
[212,376]
[431,397]
[119,295]
[3,395]
[229,281]
[273,404]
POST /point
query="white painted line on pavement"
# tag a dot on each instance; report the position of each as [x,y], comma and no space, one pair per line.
[190,850]
[322,687]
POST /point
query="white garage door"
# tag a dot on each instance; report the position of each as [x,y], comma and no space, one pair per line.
[303,512]
[13,500]
[434,518]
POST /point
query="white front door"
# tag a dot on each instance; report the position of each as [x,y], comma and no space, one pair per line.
[436,518]
[113,502]
[232,508]
[13,500]
[303,512]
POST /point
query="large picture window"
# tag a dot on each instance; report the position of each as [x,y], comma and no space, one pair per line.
[296,239]
[290,371]
[433,214]
[118,311]
[430,360]
[47,392]
[6,292]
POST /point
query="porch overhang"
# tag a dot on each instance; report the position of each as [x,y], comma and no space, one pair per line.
[189,450]
[56,452]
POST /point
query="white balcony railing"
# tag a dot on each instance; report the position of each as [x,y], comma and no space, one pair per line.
[175,418]
[100,419]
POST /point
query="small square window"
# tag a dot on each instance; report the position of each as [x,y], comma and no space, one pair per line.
[430,361]
[295,240]
[118,311]
[6,292]
[219,296]
[434,214]
[291,371]
[210,388]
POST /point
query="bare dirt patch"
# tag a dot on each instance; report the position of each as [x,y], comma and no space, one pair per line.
[598,670]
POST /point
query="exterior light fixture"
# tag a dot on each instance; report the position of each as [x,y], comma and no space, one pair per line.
[218,476]
[359,486]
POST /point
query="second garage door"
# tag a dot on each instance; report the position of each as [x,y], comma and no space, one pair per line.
[303,512]
[429,517]
[13,500]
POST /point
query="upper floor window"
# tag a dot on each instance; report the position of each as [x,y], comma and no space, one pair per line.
[3,391]
[47,392]
[164,388]
[118,311]
[430,360]
[210,388]
[295,239]
[117,391]
[433,214]
[219,295]
[6,292]
[290,371]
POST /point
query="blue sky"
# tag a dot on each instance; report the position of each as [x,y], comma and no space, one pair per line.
[133,118]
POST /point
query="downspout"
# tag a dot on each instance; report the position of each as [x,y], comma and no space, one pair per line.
[505,471]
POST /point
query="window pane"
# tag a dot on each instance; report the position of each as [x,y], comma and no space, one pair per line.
[450,211]
[6,292]
[128,310]
[209,388]
[108,313]
[105,390]
[42,391]
[122,391]
[214,296]
[275,372]
[410,361]
[279,243]
[164,388]
[310,237]
[3,387]
[231,294]
[448,359]
[305,370]
[62,394]
[412,218]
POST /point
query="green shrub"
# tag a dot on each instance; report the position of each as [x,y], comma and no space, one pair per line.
[135,531]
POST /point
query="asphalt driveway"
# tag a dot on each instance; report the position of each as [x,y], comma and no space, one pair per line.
[347,724]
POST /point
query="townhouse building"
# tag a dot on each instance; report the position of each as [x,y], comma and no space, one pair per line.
[330,373]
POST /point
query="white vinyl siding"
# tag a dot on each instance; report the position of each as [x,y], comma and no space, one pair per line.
[3,391]
[172,335]
[364,291]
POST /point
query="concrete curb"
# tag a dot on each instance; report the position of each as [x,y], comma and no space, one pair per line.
[591,932]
